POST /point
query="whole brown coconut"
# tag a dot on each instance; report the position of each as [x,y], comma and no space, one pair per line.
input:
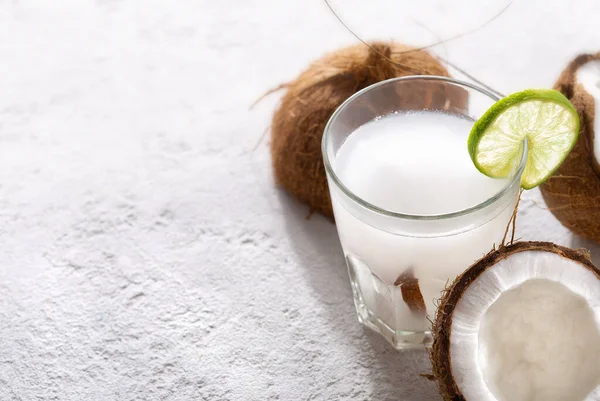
[311,99]
[498,327]
[573,192]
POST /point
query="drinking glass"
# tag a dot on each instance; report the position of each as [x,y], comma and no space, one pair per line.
[397,262]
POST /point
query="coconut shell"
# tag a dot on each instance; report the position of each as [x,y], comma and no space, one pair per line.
[573,192]
[441,330]
[311,99]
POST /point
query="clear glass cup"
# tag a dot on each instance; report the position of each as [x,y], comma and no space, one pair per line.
[416,255]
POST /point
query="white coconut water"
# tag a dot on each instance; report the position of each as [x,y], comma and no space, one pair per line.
[413,163]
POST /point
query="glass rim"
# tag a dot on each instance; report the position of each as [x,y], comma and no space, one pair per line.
[330,171]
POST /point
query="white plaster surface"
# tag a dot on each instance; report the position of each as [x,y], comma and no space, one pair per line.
[145,253]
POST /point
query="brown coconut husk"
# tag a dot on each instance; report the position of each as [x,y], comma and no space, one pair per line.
[311,99]
[573,192]
[440,355]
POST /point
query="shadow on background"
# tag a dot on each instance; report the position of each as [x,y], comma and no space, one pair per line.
[393,375]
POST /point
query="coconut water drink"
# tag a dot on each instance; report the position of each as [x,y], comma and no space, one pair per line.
[414,164]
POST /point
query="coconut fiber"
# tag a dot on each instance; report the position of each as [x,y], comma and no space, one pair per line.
[573,192]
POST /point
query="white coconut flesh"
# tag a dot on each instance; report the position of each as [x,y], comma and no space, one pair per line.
[528,329]
[588,75]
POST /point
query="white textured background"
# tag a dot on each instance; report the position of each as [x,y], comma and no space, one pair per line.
[145,253]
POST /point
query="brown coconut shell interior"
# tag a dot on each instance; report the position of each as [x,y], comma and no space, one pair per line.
[440,355]
[573,192]
[310,100]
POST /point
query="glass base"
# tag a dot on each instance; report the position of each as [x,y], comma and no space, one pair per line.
[370,292]
[399,339]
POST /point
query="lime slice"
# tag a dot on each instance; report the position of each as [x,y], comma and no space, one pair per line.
[544,117]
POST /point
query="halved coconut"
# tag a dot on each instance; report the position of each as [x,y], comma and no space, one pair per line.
[573,192]
[521,324]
